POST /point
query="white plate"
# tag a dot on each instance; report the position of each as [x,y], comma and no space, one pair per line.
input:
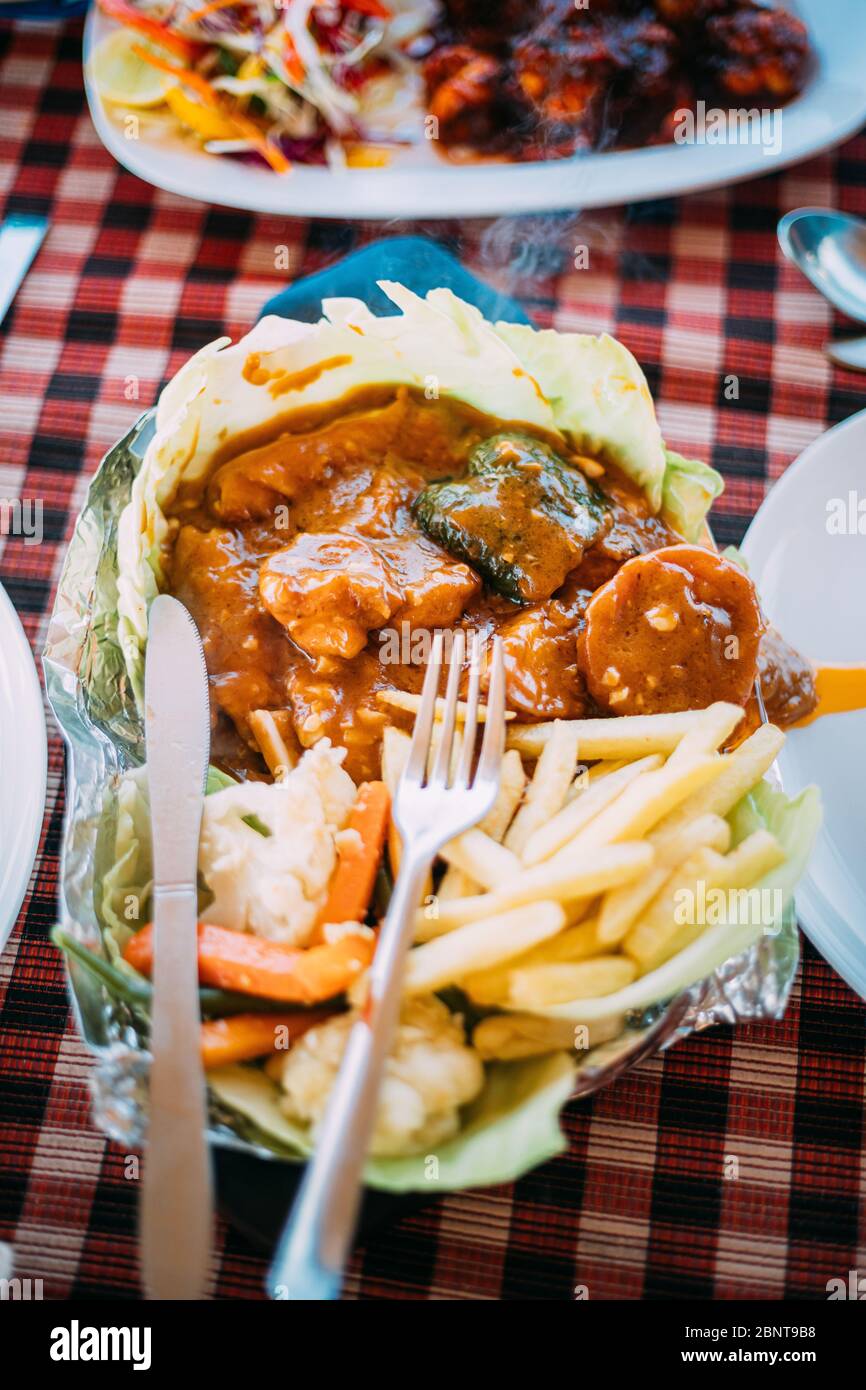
[23,764]
[420,184]
[813,587]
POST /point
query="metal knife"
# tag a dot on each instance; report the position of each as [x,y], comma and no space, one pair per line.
[20,238]
[177,1195]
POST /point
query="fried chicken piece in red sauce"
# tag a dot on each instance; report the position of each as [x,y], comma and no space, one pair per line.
[251,485]
[542,677]
[544,80]
[331,590]
[435,589]
[596,80]
[328,591]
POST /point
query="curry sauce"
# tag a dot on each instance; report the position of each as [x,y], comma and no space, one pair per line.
[314,585]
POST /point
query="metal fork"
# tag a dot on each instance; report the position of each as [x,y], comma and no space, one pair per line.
[428,811]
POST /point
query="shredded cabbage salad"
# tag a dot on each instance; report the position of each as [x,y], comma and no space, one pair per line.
[287,80]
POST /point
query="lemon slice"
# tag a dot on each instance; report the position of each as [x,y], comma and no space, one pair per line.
[204,120]
[122,77]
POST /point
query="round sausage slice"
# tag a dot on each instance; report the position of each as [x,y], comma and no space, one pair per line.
[672,630]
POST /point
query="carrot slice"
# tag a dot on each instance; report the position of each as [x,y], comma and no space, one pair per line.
[126,13]
[245,1036]
[351,886]
[235,960]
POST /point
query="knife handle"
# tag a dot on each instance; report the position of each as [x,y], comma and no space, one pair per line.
[177,1192]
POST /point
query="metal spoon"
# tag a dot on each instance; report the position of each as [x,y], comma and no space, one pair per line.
[849,353]
[830,249]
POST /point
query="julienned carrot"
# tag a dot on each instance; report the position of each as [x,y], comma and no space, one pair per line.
[245,1036]
[294,66]
[126,13]
[211,97]
[211,8]
[236,960]
[351,886]
[370,7]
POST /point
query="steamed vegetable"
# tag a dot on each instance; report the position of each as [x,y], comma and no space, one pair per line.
[236,960]
[430,1073]
[247,1036]
[128,987]
[521,517]
[359,852]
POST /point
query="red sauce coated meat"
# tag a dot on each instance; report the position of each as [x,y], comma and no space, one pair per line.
[311,571]
[545,79]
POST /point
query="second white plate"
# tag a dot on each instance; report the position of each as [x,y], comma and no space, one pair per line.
[812,582]
[420,184]
[23,762]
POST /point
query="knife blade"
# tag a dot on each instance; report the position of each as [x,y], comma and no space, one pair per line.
[21,236]
[177,1192]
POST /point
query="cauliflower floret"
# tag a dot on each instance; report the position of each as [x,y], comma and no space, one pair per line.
[430,1072]
[275,885]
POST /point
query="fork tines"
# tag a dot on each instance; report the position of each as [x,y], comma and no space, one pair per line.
[440,774]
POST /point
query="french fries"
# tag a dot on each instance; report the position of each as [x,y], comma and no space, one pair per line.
[673,918]
[633,736]
[581,809]
[718,724]
[276,739]
[741,770]
[480,945]
[570,892]
[645,802]
[567,879]
[512,780]
[539,985]
[410,704]
[549,786]
[575,943]
[482,858]
[621,906]
[457,884]
[507,1037]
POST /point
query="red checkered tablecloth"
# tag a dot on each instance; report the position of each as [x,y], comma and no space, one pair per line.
[646,1202]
